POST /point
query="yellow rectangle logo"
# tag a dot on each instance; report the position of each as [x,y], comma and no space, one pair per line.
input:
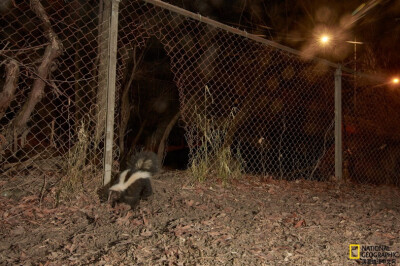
[354,252]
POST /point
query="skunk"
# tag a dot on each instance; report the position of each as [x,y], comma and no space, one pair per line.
[134,182]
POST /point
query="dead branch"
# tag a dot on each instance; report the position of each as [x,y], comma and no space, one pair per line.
[133,145]
[125,103]
[4,50]
[168,129]
[52,51]
[20,165]
[7,95]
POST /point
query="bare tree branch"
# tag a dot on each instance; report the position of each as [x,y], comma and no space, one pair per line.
[164,138]
[53,50]
[7,95]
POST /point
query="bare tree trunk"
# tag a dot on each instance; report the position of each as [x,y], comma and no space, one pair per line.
[52,52]
[7,95]
[79,89]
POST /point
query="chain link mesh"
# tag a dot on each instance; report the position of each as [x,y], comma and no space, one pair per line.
[245,106]
[52,106]
[371,148]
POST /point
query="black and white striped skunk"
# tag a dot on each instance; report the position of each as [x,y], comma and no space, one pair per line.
[134,182]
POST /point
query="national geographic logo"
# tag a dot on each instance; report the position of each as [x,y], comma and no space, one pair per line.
[354,253]
[375,254]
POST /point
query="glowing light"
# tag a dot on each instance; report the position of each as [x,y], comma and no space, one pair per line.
[396,80]
[324,39]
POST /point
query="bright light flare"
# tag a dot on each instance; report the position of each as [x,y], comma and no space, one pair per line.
[395,80]
[324,39]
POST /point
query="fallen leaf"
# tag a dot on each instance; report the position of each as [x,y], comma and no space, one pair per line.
[136,222]
[189,202]
[19,230]
[208,222]
[29,198]
[124,220]
[180,230]
[146,233]
[214,233]
[71,248]
[145,221]
[300,223]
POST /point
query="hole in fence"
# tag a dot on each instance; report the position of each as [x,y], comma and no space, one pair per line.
[150,107]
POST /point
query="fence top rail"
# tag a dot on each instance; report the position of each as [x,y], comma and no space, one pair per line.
[233,30]
[256,38]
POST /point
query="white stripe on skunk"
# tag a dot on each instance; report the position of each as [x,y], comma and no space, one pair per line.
[134,183]
[122,185]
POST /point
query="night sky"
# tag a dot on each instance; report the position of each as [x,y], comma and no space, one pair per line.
[300,23]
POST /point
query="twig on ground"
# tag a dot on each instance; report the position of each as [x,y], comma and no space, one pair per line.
[42,191]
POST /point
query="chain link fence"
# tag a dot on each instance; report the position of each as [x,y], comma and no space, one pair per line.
[371,147]
[239,104]
[54,61]
[246,106]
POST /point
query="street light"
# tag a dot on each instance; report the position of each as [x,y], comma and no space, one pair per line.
[396,81]
[324,39]
[355,52]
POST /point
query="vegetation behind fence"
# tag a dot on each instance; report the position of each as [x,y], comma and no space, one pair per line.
[238,103]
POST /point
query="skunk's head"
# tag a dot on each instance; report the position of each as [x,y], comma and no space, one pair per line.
[114,197]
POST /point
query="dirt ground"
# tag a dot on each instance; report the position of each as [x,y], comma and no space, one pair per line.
[246,222]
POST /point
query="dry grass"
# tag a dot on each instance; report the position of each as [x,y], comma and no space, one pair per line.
[76,166]
[212,158]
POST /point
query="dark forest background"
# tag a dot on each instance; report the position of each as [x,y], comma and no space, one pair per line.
[299,24]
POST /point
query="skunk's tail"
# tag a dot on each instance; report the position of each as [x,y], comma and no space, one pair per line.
[145,161]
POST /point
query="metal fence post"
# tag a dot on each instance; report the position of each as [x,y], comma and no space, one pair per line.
[112,64]
[338,123]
